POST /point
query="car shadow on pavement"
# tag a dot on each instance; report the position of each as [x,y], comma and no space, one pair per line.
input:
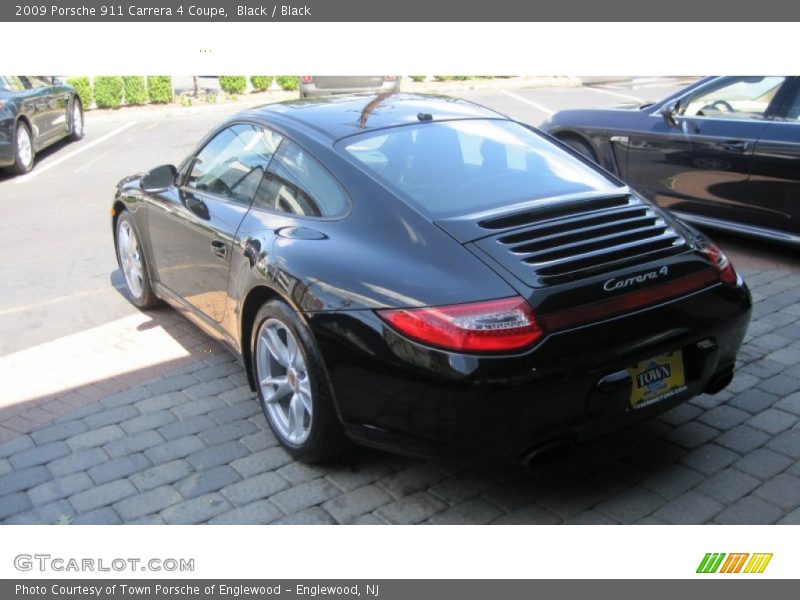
[41,157]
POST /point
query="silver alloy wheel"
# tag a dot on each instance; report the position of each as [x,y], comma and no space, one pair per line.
[130,258]
[283,378]
[77,120]
[24,146]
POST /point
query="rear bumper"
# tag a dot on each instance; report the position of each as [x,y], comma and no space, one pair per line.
[394,394]
[310,90]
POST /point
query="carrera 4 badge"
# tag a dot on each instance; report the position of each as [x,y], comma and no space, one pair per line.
[618,284]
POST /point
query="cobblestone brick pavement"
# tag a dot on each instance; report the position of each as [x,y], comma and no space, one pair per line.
[147,421]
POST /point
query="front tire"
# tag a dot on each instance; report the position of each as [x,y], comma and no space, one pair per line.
[581,147]
[293,385]
[130,257]
[24,152]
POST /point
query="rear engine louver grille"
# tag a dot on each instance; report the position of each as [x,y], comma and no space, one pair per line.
[581,238]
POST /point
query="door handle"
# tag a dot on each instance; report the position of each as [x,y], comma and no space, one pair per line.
[219,248]
[736,146]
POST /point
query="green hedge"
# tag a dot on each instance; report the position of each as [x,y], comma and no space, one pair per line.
[83,88]
[233,84]
[159,88]
[288,82]
[463,77]
[108,91]
[260,83]
[135,90]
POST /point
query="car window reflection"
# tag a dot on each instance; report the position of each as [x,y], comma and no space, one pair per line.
[297,184]
[233,163]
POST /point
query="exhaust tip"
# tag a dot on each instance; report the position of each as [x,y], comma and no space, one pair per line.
[546,453]
[719,382]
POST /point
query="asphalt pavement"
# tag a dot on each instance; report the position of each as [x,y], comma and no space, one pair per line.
[111,415]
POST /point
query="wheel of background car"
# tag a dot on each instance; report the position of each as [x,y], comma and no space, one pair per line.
[293,385]
[580,147]
[130,256]
[76,120]
[24,152]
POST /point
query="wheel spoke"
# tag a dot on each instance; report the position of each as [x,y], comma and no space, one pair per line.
[304,386]
[276,347]
[280,385]
[263,355]
[136,271]
[297,414]
[123,240]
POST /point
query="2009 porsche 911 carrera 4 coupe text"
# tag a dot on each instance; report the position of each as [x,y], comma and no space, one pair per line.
[424,275]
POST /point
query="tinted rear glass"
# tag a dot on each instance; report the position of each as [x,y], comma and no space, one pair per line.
[458,167]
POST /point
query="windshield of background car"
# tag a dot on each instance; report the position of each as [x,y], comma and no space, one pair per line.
[734,98]
[451,168]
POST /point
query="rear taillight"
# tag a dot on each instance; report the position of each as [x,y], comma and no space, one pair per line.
[727,274]
[306,78]
[494,326]
[390,78]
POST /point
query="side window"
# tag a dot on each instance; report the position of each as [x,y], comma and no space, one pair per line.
[11,83]
[40,81]
[793,109]
[233,163]
[736,98]
[297,184]
[26,81]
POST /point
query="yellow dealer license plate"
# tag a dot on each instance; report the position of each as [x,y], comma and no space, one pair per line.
[657,379]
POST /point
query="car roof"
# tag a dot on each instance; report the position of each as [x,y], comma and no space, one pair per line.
[339,116]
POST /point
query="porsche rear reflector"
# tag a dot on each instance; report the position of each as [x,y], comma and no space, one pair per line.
[727,274]
[494,326]
[587,313]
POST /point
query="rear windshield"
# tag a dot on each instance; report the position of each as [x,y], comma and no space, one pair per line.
[453,168]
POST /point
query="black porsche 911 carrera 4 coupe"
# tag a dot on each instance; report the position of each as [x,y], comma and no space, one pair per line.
[424,275]
[35,112]
[722,153]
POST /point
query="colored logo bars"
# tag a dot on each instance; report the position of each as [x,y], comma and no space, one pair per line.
[719,562]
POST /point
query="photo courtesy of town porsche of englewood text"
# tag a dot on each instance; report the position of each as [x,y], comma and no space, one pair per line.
[394,299]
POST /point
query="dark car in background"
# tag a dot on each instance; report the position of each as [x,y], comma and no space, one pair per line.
[327,85]
[35,112]
[424,275]
[723,153]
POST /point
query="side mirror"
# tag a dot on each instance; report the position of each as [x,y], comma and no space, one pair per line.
[159,179]
[669,112]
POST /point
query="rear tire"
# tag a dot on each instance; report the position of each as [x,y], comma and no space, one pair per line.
[293,386]
[131,260]
[76,121]
[24,152]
